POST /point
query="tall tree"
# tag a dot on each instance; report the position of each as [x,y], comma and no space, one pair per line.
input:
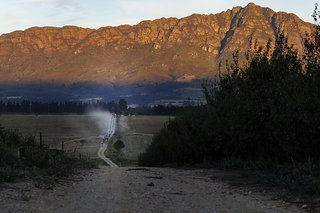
[122,105]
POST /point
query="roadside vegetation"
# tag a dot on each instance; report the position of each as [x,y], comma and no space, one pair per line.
[21,157]
[263,116]
[118,145]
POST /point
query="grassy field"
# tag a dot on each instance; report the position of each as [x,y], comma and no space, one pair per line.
[80,133]
[147,124]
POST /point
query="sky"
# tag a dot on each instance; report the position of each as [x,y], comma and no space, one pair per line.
[22,14]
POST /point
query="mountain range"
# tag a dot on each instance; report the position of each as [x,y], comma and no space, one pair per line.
[166,49]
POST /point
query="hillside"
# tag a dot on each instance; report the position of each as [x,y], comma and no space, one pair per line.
[166,49]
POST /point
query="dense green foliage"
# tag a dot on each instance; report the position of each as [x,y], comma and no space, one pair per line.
[268,111]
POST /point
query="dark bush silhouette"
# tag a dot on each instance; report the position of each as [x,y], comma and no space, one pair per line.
[118,145]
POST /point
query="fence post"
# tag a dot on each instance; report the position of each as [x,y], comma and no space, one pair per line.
[62,146]
[40,140]
[18,153]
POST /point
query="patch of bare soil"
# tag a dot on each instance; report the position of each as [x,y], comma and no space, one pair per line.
[140,190]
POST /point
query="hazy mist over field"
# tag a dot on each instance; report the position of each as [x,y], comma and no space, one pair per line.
[103,119]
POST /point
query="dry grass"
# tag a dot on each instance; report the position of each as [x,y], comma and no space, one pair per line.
[79,132]
[147,124]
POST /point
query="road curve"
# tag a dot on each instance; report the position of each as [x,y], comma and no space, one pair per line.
[109,132]
[101,155]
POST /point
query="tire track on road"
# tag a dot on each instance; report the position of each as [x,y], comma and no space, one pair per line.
[111,127]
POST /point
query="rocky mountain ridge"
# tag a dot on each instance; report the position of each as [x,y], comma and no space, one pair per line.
[166,49]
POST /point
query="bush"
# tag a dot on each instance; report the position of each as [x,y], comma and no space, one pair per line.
[118,145]
[8,174]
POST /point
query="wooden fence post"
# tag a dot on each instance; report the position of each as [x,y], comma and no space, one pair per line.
[40,140]
[18,153]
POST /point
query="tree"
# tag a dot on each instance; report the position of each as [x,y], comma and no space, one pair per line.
[122,105]
[118,145]
[312,45]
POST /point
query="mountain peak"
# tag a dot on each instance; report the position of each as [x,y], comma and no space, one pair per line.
[165,49]
[251,4]
[255,7]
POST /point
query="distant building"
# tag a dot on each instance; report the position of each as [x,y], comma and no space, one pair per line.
[133,106]
[169,102]
[91,100]
[177,102]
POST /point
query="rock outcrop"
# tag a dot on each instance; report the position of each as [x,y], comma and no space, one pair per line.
[158,50]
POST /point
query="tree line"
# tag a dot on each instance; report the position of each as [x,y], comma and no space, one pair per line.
[26,106]
[34,107]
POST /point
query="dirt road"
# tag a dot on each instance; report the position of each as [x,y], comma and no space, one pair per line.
[139,190]
[135,189]
[101,154]
[109,127]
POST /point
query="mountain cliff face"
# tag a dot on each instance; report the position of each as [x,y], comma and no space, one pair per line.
[151,51]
